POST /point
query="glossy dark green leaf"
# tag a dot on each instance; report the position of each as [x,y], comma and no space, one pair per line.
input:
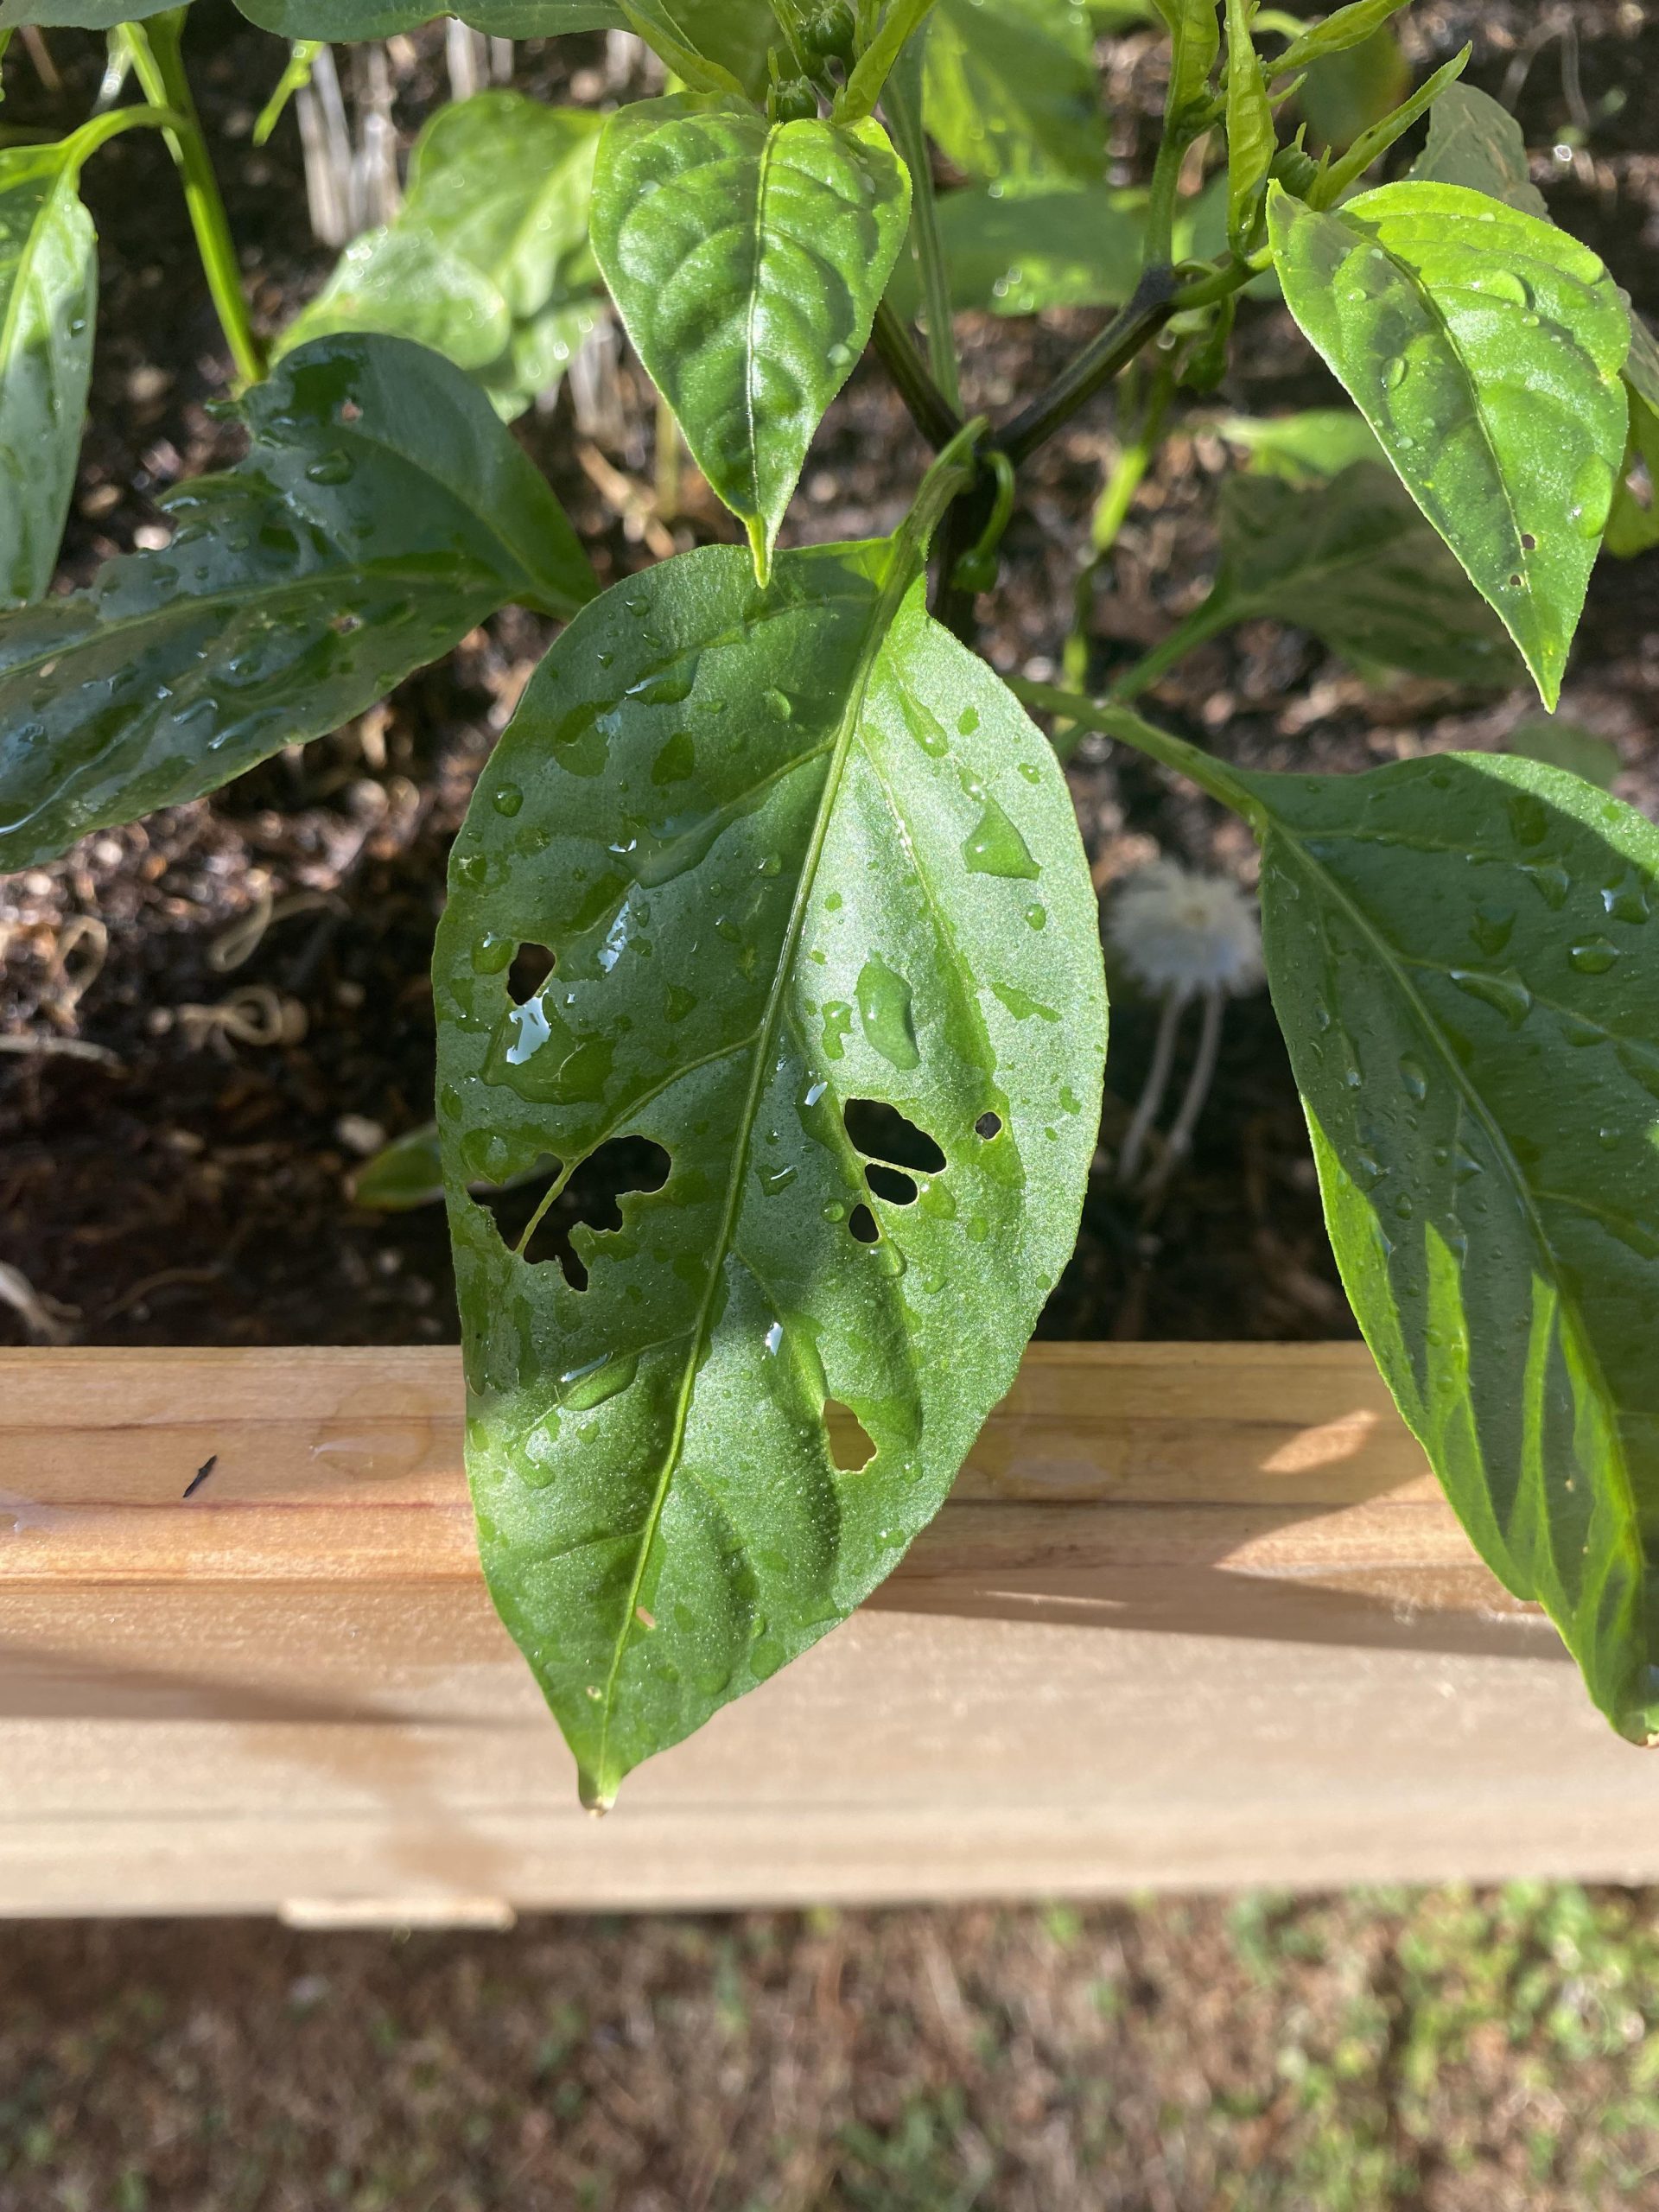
[747,261]
[901,21]
[1344,29]
[1473,141]
[1457,952]
[382,512]
[1484,349]
[1252,134]
[77,15]
[791,849]
[1012,96]
[339,22]
[48,300]
[488,261]
[1021,253]
[1457,948]
[1354,562]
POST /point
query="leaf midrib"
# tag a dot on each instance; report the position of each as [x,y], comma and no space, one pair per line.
[882,612]
[1473,1102]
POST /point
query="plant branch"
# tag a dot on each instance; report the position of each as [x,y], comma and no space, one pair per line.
[932,412]
[158,62]
[1131,329]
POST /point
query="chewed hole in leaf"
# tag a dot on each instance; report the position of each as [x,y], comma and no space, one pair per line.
[590,1201]
[851,1446]
[989,1126]
[862,1222]
[882,1132]
[891,1184]
[532,966]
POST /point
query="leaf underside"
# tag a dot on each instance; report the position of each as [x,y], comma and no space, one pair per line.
[1459,953]
[789,849]
[48,300]
[747,260]
[1485,348]
[382,512]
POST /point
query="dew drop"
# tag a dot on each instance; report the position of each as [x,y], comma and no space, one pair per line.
[1594,956]
[968,721]
[838,1027]
[884,1010]
[582,1389]
[1395,374]
[1414,1076]
[1506,994]
[779,704]
[995,847]
[774,1179]
[332,468]
[1037,916]
[507,799]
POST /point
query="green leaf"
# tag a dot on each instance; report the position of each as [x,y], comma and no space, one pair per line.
[1012,91]
[899,25]
[1309,447]
[1334,182]
[77,15]
[1252,134]
[1348,89]
[382,512]
[1019,253]
[791,849]
[1353,561]
[747,261]
[714,46]
[1456,952]
[48,302]
[404,1175]
[1633,525]
[488,261]
[1195,30]
[1357,25]
[339,22]
[1484,347]
[1565,746]
[1474,142]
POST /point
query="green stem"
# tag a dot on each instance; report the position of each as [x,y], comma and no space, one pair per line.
[1111,511]
[905,113]
[82,145]
[1202,768]
[1105,357]
[158,62]
[1203,623]
[933,413]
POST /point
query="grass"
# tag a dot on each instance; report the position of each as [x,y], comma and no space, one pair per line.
[1440,2050]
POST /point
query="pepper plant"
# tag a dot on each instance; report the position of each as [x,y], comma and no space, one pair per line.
[773,879]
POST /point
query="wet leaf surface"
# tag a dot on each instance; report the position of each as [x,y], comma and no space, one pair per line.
[1485,348]
[747,260]
[798,858]
[381,513]
[48,299]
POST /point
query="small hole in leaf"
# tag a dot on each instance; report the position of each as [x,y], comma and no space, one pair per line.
[851,1446]
[883,1133]
[590,1201]
[532,966]
[989,1126]
[862,1222]
[891,1184]
[1528,541]
[1516,583]
[350,411]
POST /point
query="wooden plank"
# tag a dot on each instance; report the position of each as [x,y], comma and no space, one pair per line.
[1196,1617]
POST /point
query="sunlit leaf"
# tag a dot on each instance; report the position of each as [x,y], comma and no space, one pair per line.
[1484,347]
[1012,93]
[747,260]
[48,300]
[1195,39]
[382,511]
[802,868]
[1309,448]
[1252,134]
[488,260]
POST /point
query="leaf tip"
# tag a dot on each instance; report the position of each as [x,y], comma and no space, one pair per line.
[761,547]
[598,1798]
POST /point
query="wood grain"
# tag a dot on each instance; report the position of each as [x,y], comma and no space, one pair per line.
[1197,1615]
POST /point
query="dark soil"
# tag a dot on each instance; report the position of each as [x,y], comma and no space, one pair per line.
[188,1182]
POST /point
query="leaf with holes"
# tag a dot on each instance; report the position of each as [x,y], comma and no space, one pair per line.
[810,881]
[487,261]
[382,511]
[1012,95]
[1484,349]
[1474,142]
[48,299]
[1353,561]
[747,260]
